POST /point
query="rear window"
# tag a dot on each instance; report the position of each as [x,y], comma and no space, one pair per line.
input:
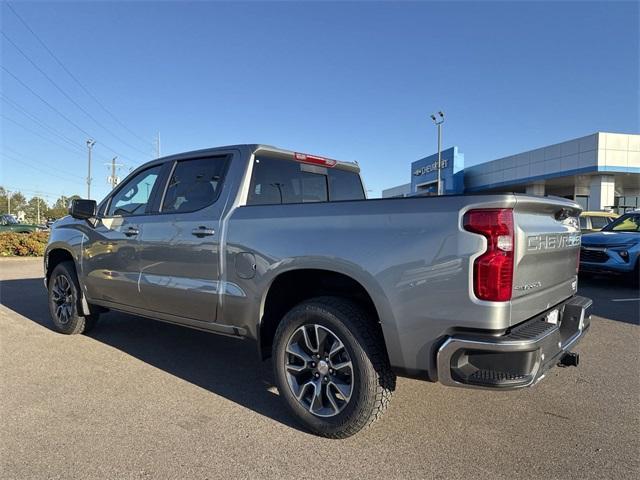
[276,181]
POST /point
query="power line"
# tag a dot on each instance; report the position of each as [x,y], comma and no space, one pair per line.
[38,134]
[37,168]
[80,84]
[42,193]
[24,158]
[55,109]
[52,130]
[45,102]
[68,97]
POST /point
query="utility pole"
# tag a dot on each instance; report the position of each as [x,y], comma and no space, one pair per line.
[439,121]
[90,144]
[8,202]
[38,208]
[158,146]
[113,180]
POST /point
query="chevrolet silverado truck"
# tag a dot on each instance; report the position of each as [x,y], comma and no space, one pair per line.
[283,249]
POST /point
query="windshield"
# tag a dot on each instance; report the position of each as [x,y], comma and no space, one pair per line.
[9,220]
[626,223]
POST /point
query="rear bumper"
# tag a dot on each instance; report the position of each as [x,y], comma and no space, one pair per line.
[521,357]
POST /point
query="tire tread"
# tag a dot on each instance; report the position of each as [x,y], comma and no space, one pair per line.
[369,336]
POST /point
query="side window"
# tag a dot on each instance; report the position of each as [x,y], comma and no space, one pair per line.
[583,223]
[599,222]
[134,195]
[194,184]
[628,224]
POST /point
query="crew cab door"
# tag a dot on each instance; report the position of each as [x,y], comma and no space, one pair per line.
[110,256]
[179,246]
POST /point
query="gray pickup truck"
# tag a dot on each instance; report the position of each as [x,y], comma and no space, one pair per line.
[283,249]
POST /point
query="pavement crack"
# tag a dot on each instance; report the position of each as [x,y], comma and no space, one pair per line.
[556,415]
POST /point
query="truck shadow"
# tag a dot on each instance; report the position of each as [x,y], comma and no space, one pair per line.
[224,366]
[614,298]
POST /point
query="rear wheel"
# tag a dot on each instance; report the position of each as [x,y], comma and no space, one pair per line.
[64,301]
[331,367]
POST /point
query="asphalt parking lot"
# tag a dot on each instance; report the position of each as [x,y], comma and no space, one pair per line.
[139,399]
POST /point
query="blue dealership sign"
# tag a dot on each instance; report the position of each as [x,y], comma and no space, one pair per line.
[424,173]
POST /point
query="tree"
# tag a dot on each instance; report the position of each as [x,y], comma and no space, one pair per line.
[36,210]
[18,202]
[61,206]
[3,201]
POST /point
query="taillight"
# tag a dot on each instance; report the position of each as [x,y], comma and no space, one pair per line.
[315,160]
[493,270]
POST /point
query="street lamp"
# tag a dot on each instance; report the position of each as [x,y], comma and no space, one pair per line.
[90,144]
[439,120]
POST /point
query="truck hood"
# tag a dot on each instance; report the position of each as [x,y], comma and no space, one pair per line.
[609,239]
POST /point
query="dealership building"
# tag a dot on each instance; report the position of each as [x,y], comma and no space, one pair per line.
[600,171]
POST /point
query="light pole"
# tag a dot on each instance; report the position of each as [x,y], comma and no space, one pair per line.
[439,120]
[90,144]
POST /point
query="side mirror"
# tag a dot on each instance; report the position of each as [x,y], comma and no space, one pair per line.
[83,209]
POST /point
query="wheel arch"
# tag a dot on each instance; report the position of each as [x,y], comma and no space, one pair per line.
[294,285]
[54,256]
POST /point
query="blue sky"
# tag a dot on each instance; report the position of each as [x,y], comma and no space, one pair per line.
[353,81]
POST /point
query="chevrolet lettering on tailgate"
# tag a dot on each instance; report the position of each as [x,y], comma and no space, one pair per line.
[553,241]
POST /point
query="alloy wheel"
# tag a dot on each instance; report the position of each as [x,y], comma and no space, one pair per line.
[62,296]
[319,370]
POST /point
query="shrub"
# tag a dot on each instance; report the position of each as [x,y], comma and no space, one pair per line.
[23,244]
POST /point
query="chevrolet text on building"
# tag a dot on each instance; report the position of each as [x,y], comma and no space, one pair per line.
[599,171]
[429,168]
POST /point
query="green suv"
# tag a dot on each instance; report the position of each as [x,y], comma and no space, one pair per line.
[8,223]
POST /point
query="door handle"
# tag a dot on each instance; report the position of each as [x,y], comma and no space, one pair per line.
[203,231]
[131,232]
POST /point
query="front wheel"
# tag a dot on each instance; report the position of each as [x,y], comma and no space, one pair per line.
[64,300]
[331,366]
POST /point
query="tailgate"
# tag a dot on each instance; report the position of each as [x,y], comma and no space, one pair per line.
[547,243]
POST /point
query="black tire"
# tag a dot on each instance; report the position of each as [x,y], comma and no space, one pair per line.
[370,376]
[71,322]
